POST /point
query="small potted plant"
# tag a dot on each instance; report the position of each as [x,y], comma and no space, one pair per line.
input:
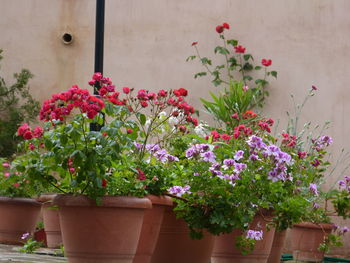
[19,211]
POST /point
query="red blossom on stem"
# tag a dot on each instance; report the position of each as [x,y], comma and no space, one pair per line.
[266,62]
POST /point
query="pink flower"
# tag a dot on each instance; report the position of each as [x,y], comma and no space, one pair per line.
[7,174]
[225,25]
[28,135]
[128,131]
[6,165]
[266,62]
[162,93]
[245,88]
[38,132]
[31,147]
[239,49]
[219,29]
[22,129]
[97,76]
[71,170]
[126,90]
[16,185]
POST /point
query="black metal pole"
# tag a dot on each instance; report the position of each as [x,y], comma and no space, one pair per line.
[99,37]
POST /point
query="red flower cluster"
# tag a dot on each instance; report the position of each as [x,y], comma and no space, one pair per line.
[239,49]
[27,134]
[265,125]
[238,130]
[249,114]
[140,175]
[289,141]
[61,105]
[217,136]
[266,62]
[221,28]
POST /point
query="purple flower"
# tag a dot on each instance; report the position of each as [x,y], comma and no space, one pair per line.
[239,167]
[208,157]
[152,148]
[272,150]
[254,157]
[191,152]
[256,142]
[255,235]
[228,163]
[138,145]
[238,155]
[313,189]
[25,235]
[196,174]
[313,87]
[179,190]
[342,184]
[345,229]
[316,205]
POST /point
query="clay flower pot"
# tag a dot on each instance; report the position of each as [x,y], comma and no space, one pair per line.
[150,228]
[305,240]
[175,245]
[17,216]
[277,247]
[107,233]
[51,221]
[225,250]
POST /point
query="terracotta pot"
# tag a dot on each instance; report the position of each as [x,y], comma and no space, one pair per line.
[40,236]
[150,228]
[306,238]
[277,247]
[51,221]
[105,233]
[17,216]
[175,245]
[225,250]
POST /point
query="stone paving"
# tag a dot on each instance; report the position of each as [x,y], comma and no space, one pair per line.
[12,254]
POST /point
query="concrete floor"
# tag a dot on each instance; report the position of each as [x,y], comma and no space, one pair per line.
[12,254]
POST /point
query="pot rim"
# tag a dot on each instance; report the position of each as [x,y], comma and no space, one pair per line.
[325,226]
[106,201]
[19,200]
[44,198]
[160,200]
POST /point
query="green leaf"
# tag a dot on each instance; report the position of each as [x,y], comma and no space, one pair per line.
[247,57]
[221,50]
[232,42]
[274,73]
[249,78]
[257,67]
[200,74]
[190,58]
[143,119]
[206,61]
[247,66]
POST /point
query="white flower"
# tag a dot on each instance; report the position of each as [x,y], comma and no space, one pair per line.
[201,131]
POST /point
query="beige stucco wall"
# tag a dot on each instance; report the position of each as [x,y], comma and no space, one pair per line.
[146,43]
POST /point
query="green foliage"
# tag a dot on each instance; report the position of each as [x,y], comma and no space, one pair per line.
[16,106]
[30,246]
[230,101]
[236,70]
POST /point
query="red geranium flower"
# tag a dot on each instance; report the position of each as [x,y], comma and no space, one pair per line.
[194,43]
[126,90]
[239,49]
[219,29]
[266,62]
[225,25]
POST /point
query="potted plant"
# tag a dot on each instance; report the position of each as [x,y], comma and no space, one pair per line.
[19,211]
[105,171]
